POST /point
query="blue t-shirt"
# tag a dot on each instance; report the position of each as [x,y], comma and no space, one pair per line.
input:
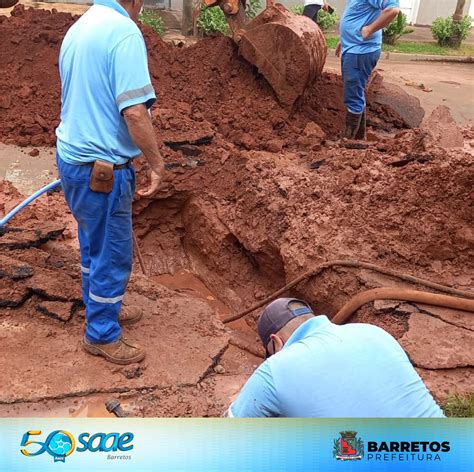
[326,370]
[104,69]
[360,13]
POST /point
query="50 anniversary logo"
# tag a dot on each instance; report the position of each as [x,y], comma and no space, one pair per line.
[60,444]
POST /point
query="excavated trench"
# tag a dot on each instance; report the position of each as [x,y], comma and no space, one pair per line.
[186,234]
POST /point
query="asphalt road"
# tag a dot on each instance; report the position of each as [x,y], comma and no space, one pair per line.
[452,84]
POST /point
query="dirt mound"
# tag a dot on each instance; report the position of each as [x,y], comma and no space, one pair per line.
[205,81]
[29,86]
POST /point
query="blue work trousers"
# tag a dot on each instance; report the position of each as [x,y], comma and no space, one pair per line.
[104,223]
[356,70]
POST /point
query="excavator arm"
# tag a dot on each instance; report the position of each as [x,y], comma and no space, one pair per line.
[288,50]
[8,3]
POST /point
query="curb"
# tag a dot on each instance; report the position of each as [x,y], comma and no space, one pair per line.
[398,56]
[403,57]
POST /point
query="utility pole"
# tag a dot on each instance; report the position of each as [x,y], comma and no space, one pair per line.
[455,39]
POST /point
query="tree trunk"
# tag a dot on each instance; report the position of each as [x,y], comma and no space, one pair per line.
[187,27]
[455,39]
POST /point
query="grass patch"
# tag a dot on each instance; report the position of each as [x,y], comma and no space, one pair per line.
[408,47]
[429,48]
[332,41]
[459,406]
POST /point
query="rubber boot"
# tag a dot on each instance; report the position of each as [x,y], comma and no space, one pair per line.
[361,132]
[352,124]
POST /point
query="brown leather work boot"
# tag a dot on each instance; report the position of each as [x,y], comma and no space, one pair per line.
[130,314]
[118,352]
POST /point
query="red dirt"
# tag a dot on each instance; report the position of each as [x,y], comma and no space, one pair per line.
[245,219]
[225,90]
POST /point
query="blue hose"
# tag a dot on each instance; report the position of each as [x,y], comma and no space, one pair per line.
[26,202]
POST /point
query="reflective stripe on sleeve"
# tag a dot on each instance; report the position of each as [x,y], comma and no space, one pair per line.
[139,92]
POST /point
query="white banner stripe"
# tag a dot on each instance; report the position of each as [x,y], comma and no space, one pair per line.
[105,300]
[85,269]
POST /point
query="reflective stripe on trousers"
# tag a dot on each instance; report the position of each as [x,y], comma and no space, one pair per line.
[105,237]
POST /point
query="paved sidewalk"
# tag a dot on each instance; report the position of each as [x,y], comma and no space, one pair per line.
[423,34]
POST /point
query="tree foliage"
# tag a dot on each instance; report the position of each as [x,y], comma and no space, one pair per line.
[153,19]
[325,19]
[396,29]
[443,29]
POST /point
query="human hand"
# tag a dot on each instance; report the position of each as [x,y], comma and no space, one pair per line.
[366,33]
[154,186]
[338,50]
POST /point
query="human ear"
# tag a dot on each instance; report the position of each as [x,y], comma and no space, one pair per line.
[278,342]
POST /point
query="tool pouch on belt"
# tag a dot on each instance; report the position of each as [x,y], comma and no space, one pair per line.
[102,177]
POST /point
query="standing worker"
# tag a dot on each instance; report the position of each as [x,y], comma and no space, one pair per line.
[361,44]
[105,124]
[312,7]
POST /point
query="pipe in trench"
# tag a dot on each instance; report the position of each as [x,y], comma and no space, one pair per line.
[384,293]
[403,294]
[353,264]
[27,201]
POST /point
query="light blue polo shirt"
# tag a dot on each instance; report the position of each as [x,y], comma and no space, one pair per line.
[327,370]
[360,13]
[103,67]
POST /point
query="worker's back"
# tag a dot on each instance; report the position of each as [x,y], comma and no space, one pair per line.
[103,68]
[325,370]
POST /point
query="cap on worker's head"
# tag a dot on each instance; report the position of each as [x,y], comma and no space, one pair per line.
[278,314]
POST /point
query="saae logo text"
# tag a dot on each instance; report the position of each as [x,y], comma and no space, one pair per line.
[61,444]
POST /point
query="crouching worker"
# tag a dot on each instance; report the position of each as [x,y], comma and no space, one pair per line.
[315,368]
[105,124]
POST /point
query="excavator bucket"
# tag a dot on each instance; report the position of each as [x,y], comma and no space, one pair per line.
[289,50]
[7,3]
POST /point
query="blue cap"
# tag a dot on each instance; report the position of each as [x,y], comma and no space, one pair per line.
[276,315]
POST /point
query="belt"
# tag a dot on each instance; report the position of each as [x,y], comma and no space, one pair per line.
[116,166]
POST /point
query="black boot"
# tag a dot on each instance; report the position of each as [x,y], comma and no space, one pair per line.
[361,132]
[352,124]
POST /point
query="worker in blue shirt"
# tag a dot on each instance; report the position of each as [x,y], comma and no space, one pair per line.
[315,368]
[360,45]
[105,124]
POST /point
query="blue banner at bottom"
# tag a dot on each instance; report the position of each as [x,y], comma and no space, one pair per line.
[205,445]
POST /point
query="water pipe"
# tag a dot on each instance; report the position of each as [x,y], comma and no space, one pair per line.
[40,192]
[26,202]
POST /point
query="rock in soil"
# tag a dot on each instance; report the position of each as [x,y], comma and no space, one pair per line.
[434,344]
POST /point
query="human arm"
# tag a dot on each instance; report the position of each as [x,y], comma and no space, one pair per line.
[141,131]
[258,397]
[134,95]
[387,15]
[338,49]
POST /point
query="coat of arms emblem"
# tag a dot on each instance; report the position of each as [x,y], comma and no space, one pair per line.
[348,447]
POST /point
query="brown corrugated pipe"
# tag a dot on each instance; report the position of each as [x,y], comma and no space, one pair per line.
[353,264]
[403,294]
